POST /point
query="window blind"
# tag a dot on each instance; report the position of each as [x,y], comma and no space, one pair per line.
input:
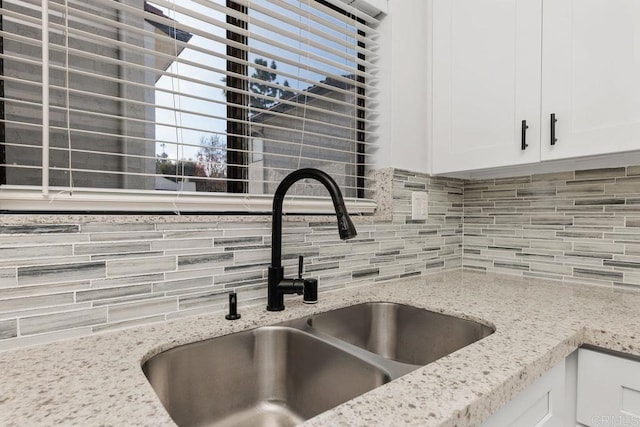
[159,100]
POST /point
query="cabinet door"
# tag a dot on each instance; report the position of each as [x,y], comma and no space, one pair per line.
[608,390]
[540,404]
[591,77]
[486,80]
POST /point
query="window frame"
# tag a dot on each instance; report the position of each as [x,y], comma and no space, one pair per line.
[3,158]
[236,199]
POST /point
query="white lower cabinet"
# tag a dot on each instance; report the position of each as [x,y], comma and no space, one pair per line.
[608,390]
[541,404]
[588,389]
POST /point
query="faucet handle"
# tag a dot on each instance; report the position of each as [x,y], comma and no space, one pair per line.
[310,291]
[300,266]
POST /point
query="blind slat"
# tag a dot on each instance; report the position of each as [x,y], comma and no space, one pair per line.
[196,97]
[272,27]
[295,12]
[94,96]
[222,149]
[99,58]
[140,139]
[283,46]
[301,131]
[222,96]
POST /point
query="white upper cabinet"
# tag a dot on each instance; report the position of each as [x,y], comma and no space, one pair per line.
[498,62]
[591,77]
[486,81]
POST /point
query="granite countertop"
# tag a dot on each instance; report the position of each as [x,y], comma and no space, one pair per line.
[98,380]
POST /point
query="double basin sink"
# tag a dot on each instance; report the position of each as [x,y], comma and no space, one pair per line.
[282,375]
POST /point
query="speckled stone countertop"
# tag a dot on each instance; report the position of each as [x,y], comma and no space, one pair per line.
[98,380]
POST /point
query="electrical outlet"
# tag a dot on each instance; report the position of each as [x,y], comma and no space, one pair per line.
[419,205]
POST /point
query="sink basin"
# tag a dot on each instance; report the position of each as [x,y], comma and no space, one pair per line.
[399,332]
[282,375]
[262,377]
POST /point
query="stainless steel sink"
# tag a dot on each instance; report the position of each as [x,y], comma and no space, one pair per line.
[270,376]
[399,332]
[282,375]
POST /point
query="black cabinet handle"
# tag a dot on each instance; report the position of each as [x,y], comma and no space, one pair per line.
[524,135]
[553,129]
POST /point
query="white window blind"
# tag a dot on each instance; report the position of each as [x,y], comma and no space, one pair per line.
[155,105]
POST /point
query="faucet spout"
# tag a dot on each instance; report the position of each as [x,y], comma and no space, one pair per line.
[346,229]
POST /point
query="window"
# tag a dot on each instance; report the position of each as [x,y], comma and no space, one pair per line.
[165,101]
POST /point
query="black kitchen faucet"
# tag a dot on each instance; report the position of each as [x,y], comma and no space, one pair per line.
[278,286]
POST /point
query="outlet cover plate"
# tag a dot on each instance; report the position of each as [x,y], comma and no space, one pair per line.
[419,205]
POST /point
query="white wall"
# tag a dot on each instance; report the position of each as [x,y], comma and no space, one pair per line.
[405,77]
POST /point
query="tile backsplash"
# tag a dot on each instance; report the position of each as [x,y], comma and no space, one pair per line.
[581,226]
[64,277]
[67,276]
